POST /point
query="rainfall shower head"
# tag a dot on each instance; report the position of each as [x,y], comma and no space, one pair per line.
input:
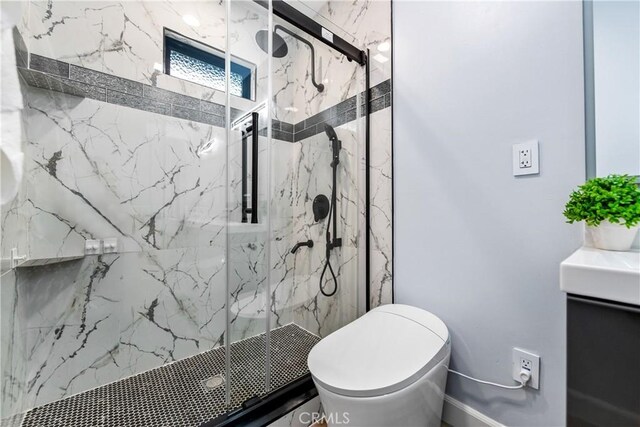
[280,48]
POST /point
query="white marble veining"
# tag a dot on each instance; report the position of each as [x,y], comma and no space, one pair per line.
[12,347]
[121,37]
[292,211]
[367,24]
[167,188]
[97,320]
[381,209]
[98,170]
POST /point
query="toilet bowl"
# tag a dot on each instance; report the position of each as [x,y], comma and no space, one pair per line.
[387,368]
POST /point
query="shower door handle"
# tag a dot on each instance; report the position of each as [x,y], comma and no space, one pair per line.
[253,131]
[254,167]
[244,194]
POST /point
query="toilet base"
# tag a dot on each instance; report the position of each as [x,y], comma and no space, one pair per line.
[419,404]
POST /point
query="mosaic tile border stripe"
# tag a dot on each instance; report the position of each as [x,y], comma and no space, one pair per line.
[51,74]
[174,395]
[59,76]
[344,112]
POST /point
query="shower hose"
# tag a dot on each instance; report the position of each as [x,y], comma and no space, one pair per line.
[327,264]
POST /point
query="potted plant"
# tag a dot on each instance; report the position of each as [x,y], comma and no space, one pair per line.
[611,209]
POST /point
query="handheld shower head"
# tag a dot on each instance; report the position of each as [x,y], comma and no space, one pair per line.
[331,133]
[336,145]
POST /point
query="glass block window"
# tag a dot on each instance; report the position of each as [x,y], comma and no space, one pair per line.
[202,64]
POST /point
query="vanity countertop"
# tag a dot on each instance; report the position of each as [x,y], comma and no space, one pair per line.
[608,275]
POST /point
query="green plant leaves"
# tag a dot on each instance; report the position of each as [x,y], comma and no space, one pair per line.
[615,198]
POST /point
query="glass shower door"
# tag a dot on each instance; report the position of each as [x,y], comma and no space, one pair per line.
[316,193]
[247,203]
[295,197]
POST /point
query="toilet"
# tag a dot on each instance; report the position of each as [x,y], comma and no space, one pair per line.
[387,368]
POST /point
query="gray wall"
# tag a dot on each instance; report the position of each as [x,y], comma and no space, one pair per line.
[616,45]
[474,245]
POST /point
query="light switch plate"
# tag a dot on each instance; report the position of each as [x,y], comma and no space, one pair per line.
[526,158]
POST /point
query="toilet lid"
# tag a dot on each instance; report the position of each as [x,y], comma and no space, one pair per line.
[383,351]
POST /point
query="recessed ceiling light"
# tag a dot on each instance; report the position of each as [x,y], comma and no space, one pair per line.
[292,109]
[384,46]
[380,58]
[191,20]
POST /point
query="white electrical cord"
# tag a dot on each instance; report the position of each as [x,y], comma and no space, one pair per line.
[525,376]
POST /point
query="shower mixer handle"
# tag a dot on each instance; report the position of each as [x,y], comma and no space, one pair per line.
[308,243]
[336,243]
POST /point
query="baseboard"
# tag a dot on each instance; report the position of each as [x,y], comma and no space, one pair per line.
[457,414]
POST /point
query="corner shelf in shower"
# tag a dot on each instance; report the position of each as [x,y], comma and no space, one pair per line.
[5,263]
[37,262]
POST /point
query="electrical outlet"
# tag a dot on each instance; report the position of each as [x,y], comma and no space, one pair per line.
[110,245]
[92,247]
[526,158]
[524,360]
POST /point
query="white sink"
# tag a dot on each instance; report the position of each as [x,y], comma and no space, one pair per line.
[609,275]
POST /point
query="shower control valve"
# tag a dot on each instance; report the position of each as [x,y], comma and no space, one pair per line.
[335,244]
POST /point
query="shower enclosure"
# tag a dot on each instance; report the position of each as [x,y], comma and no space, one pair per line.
[192,215]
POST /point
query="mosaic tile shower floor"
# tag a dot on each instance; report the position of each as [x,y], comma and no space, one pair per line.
[174,395]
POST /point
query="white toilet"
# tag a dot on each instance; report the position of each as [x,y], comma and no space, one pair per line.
[387,368]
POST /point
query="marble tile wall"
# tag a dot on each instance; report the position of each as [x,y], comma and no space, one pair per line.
[135,312]
[12,347]
[366,24]
[157,180]
[124,38]
[295,277]
[95,172]
[148,176]
[369,24]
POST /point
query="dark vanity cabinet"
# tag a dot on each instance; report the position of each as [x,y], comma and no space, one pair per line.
[603,363]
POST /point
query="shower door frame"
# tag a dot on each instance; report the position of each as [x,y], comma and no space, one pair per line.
[277,403]
[301,21]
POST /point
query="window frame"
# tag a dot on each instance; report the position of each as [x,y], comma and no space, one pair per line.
[173,41]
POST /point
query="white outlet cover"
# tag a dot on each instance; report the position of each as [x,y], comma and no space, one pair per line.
[518,169]
[110,245]
[520,354]
[92,247]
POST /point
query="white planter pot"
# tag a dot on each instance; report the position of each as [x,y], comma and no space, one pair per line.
[612,237]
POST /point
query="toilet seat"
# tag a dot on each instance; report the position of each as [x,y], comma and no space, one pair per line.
[384,351]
